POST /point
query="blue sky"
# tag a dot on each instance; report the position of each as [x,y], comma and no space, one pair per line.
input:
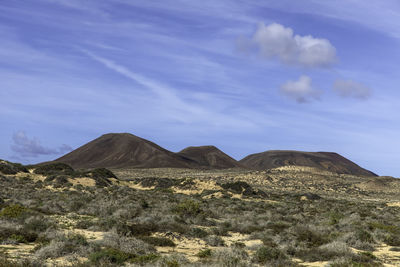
[246,76]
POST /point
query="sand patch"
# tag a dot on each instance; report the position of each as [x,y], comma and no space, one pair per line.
[31,175]
[393,204]
[65,261]
[241,238]
[18,251]
[84,181]
[214,195]
[187,246]
[198,187]
[314,264]
[137,186]
[388,257]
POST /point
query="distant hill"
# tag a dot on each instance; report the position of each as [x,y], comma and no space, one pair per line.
[323,160]
[209,157]
[124,150]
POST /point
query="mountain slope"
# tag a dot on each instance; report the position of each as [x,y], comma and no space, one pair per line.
[123,150]
[209,157]
[323,160]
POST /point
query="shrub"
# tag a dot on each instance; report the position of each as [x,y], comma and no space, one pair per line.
[214,241]
[54,168]
[143,259]
[137,229]
[110,255]
[10,168]
[265,254]
[13,211]
[158,241]
[126,244]
[205,253]
[18,235]
[325,252]
[231,257]
[239,187]
[62,245]
[364,236]
[392,239]
[187,208]
[310,236]
[102,173]
[198,232]
[277,227]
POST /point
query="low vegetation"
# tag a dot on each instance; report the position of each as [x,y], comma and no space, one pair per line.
[119,223]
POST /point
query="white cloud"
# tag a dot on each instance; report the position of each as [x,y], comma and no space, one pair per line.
[300,90]
[31,147]
[349,88]
[277,41]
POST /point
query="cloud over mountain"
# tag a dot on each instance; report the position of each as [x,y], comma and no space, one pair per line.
[280,42]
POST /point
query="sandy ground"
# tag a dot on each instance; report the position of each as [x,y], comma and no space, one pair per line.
[198,187]
[393,204]
[18,251]
[188,247]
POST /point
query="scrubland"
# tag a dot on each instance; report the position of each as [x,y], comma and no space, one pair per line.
[292,216]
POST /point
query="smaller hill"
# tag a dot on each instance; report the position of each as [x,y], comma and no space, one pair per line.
[329,161]
[209,157]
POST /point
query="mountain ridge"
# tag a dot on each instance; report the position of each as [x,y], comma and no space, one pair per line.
[125,150]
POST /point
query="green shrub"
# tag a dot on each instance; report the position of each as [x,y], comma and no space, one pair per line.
[278,227]
[110,255]
[188,208]
[198,232]
[13,211]
[364,236]
[143,259]
[205,253]
[54,168]
[392,239]
[311,237]
[102,173]
[265,254]
[137,229]
[335,217]
[20,235]
[10,168]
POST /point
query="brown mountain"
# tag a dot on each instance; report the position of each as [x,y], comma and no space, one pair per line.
[323,160]
[124,150]
[209,157]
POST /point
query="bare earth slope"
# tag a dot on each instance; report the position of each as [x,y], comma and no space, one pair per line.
[123,150]
[209,157]
[322,160]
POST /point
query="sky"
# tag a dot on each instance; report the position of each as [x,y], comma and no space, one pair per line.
[245,76]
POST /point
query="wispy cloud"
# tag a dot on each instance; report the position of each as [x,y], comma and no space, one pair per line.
[164,92]
[26,147]
[206,111]
[352,89]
